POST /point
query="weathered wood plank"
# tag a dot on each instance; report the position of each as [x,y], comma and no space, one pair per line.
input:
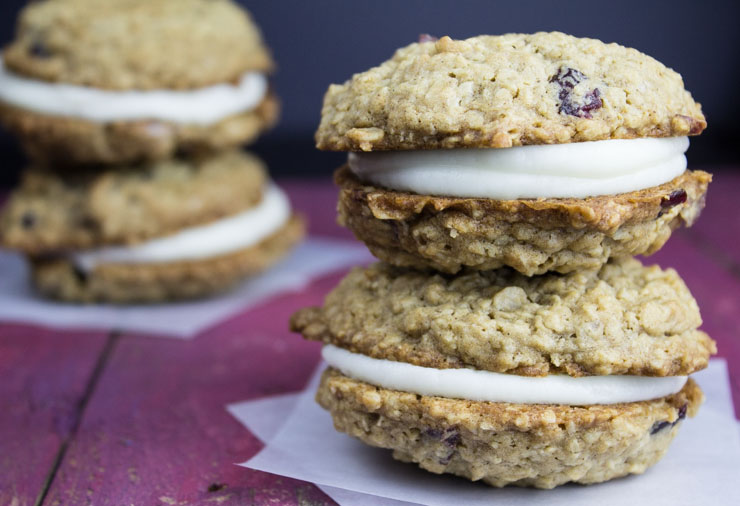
[44,376]
[156,431]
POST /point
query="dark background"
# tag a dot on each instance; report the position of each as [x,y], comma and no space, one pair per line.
[319,42]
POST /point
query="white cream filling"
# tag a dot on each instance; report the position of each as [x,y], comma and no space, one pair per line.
[578,169]
[218,238]
[201,106]
[475,385]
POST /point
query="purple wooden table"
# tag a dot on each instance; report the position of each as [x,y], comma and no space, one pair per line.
[105,419]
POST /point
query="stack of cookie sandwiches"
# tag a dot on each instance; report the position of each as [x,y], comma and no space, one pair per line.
[132,112]
[508,335]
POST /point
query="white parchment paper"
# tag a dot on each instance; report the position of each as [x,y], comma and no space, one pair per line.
[701,467]
[312,259]
[264,418]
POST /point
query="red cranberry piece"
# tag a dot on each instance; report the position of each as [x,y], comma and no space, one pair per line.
[675,198]
[28,220]
[79,274]
[567,78]
[591,103]
[450,436]
[658,426]
[39,50]
[425,37]
[433,433]
[681,413]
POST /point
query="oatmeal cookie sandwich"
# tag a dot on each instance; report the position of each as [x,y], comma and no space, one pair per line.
[495,376]
[525,170]
[167,230]
[120,81]
[541,152]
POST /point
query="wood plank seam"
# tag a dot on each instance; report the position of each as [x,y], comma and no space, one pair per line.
[79,412]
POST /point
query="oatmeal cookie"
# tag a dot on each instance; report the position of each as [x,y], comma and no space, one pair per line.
[533,236]
[136,44]
[58,278]
[502,444]
[623,318]
[51,211]
[507,90]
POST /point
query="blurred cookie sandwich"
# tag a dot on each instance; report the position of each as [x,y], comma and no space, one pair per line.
[175,229]
[121,81]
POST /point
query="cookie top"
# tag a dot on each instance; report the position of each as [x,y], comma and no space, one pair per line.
[52,211]
[621,319]
[136,44]
[507,90]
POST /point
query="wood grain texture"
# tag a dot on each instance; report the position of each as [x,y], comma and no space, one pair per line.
[156,430]
[43,379]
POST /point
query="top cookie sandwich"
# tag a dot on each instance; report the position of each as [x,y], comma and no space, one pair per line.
[540,152]
[130,80]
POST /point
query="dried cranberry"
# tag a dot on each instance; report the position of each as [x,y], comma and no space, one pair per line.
[658,426]
[80,274]
[425,37]
[568,78]
[676,197]
[39,50]
[450,436]
[28,220]
[592,101]
[433,433]
[682,412]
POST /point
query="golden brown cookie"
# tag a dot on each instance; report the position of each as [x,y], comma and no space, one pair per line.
[502,444]
[533,236]
[58,278]
[53,211]
[506,90]
[623,318]
[136,44]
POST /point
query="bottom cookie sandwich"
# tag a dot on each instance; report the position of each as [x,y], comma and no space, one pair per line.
[178,229]
[512,380]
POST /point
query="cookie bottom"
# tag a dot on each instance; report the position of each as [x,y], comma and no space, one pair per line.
[501,444]
[58,278]
[533,236]
[70,141]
